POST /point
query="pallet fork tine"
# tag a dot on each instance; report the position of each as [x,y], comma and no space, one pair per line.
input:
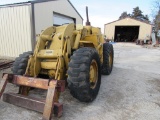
[47,106]
[3,84]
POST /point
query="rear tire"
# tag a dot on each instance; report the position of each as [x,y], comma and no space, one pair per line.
[20,64]
[84,76]
[108,56]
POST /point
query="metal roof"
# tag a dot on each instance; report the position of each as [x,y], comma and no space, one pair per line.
[35,1]
[126,18]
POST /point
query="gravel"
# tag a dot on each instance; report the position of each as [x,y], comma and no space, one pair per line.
[130,92]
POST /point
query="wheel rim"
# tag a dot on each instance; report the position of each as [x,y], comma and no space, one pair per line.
[110,59]
[93,74]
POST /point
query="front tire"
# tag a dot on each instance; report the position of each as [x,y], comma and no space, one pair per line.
[84,74]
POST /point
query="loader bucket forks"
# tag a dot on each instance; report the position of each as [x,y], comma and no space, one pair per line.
[48,106]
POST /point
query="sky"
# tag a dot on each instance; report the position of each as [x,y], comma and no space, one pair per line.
[104,11]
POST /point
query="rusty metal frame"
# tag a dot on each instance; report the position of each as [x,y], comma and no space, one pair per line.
[3,84]
[48,106]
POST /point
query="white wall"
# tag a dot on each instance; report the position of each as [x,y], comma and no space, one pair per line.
[15,30]
[44,13]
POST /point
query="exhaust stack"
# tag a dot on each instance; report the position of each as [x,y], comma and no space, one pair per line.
[87,23]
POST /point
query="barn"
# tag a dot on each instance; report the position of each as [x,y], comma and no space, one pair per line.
[21,22]
[127,30]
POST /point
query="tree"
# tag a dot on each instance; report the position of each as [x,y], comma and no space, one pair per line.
[137,13]
[157,21]
[123,15]
[156,14]
[155,8]
[146,19]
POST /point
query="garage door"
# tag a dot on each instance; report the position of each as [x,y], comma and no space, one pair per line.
[126,33]
[59,19]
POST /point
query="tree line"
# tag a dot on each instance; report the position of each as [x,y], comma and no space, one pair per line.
[136,14]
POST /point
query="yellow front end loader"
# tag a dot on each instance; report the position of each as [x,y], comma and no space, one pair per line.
[72,54]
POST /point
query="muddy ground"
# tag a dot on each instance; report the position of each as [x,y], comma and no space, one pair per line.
[130,92]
